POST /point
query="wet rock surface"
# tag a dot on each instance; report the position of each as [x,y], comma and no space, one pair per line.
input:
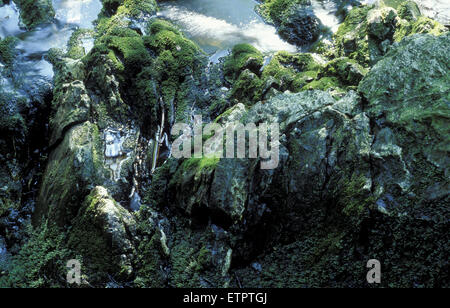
[88,173]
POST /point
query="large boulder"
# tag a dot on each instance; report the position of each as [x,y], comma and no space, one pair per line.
[104,234]
[411,108]
[389,177]
[368,31]
[301,26]
[295,20]
[33,13]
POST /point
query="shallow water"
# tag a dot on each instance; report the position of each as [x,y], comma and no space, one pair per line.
[31,68]
[218,25]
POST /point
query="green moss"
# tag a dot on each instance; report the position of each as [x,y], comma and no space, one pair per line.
[65,184]
[7,50]
[408,10]
[149,261]
[125,48]
[193,170]
[75,45]
[421,25]
[41,262]
[348,71]
[184,273]
[192,259]
[324,83]
[138,8]
[243,56]
[176,58]
[351,37]
[34,12]
[291,71]
[275,11]
[204,259]
[247,89]
[200,164]
[285,71]
[134,8]
[90,238]
[354,198]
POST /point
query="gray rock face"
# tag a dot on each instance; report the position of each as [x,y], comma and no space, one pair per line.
[104,232]
[323,143]
[381,156]
[361,175]
[410,120]
[82,153]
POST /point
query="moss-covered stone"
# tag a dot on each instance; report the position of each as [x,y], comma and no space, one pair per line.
[100,236]
[35,12]
[243,56]
[348,71]
[295,19]
[74,165]
[292,71]
[76,50]
[421,25]
[409,10]
[368,31]
[134,8]
[7,51]
[351,37]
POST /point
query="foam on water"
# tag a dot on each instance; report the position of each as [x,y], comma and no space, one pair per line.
[436,9]
[9,20]
[214,34]
[30,66]
[326,11]
[77,12]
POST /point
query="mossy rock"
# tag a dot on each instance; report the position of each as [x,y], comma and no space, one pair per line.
[409,10]
[7,50]
[350,37]
[35,12]
[74,165]
[134,8]
[100,236]
[348,71]
[243,56]
[75,45]
[292,71]
[421,25]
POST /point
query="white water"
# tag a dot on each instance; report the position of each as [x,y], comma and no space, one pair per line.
[115,155]
[326,11]
[30,67]
[218,25]
[436,9]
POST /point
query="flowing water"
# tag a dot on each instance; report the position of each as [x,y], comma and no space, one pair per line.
[30,68]
[436,9]
[217,25]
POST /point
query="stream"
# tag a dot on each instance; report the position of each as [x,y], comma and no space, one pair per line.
[31,70]
[217,25]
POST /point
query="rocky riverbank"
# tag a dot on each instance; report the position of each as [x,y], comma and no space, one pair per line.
[364,153]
